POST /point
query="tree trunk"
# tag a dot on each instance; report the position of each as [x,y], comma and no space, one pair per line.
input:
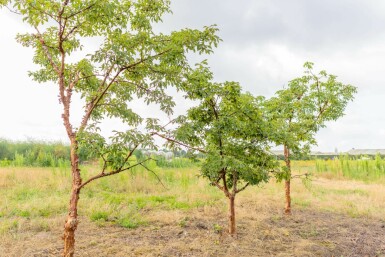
[232,228]
[288,199]
[287,181]
[71,222]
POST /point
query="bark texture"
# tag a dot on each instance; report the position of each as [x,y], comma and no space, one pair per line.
[71,222]
[288,198]
[232,227]
[287,181]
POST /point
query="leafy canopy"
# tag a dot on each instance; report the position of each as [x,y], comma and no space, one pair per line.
[132,61]
[229,127]
[302,108]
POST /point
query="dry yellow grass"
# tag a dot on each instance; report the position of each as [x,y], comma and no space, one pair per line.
[187,211]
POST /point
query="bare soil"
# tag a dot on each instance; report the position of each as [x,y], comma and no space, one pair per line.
[202,232]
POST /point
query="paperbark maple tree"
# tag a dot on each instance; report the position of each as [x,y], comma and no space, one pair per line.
[132,62]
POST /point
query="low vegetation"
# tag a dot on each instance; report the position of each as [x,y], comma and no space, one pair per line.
[233,129]
[33,153]
[365,168]
[185,206]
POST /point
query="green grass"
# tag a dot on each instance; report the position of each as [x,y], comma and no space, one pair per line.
[363,169]
[32,198]
[42,193]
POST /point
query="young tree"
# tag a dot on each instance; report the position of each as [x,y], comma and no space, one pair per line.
[131,62]
[300,110]
[228,127]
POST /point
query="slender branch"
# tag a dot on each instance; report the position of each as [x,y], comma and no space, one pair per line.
[70,32]
[216,183]
[145,59]
[178,142]
[316,118]
[243,188]
[102,174]
[213,105]
[13,11]
[44,12]
[156,175]
[103,93]
[47,53]
[93,104]
[65,3]
[78,25]
[129,154]
[148,90]
[235,182]
[74,82]
[168,123]
[224,189]
[80,11]
[306,175]
[90,76]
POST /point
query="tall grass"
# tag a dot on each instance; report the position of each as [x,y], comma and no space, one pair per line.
[176,162]
[33,193]
[365,168]
[33,153]
[36,199]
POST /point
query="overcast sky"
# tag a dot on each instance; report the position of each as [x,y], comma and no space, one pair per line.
[265,43]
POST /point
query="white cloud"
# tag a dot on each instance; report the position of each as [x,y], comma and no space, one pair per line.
[265,44]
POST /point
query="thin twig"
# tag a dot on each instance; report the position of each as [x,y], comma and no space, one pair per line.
[13,11]
[243,188]
[49,56]
[301,175]
[156,175]
[178,142]
[102,174]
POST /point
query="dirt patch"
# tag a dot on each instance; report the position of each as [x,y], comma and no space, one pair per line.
[200,233]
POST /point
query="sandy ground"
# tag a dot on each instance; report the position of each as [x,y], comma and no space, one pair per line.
[201,232]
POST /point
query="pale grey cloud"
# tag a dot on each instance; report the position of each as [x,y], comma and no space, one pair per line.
[265,43]
[309,24]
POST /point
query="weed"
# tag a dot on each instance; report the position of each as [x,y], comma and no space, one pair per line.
[217,228]
[8,226]
[127,222]
[99,215]
[183,222]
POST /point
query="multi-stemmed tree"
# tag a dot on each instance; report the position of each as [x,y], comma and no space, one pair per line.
[228,126]
[300,110]
[131,62]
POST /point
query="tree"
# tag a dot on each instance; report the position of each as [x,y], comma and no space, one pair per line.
[300,110]
[132,62]
[227,126]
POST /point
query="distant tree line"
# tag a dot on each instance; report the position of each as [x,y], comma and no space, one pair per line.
[35,153]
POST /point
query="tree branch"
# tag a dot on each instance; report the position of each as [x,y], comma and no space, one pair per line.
[12,11]
[179,143]
[93,104]
[156,175]
[243,188]
[222,188]
[306,175]
[46,13]
[48,55]
[102,174]
[80,11]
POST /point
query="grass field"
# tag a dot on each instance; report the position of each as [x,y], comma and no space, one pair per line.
[132,214]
